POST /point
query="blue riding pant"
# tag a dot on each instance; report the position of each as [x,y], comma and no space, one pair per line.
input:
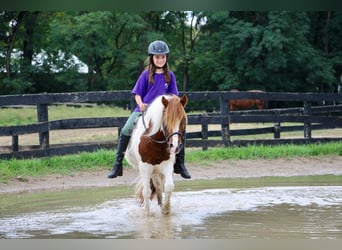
[127,129]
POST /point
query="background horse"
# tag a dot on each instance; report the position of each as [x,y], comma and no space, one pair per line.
[260,104]
[155,141]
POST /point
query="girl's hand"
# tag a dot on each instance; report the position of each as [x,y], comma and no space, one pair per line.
[143,107]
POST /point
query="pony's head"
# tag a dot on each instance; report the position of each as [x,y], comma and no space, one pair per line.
[166,119]
[174,121]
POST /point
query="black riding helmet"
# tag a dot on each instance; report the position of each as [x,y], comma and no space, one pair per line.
[158,48]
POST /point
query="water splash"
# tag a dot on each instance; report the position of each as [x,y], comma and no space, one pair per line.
[123,218]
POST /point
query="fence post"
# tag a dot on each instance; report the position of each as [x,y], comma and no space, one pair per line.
[307,125]
[224,122]
[277,129]
[15,143]
[204,131]
[43,116]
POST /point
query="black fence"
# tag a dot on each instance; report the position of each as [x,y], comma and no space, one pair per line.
[312,115]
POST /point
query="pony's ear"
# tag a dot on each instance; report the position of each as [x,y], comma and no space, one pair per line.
[184,100]
[165,101]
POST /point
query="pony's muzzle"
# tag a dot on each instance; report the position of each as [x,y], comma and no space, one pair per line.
[175,149]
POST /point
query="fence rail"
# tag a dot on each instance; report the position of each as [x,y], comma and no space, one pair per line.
[312,117]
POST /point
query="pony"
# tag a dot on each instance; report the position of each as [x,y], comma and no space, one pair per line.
[157,137]
[260,104]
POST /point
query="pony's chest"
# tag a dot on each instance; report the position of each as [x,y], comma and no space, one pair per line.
[152,150]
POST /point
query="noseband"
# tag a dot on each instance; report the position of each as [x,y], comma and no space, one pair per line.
[167,137]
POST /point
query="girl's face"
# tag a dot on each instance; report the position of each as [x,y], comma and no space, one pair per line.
[159,60]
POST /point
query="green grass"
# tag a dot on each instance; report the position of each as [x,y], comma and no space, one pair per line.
[65,165]
[103,159]
[266,152]
[14,116]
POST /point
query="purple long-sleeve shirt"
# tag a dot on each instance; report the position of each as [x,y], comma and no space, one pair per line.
[149,92]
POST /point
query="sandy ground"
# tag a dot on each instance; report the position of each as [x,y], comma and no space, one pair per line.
[225,169]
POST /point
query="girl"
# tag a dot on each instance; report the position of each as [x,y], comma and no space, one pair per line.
[156,80]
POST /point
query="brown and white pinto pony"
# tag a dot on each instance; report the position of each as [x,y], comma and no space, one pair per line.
[155,141]
[260,104]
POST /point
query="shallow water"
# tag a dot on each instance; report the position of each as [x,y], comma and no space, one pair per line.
[295,212]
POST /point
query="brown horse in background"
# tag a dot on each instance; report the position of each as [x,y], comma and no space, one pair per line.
[247,103]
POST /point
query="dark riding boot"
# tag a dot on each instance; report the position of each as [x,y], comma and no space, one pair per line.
[179,167]
[117,168]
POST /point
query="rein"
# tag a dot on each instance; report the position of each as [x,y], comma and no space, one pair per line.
[167,137]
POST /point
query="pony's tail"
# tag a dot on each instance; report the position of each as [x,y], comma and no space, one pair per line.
[139,191]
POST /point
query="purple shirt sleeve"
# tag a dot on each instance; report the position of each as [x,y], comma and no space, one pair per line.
[140,87]
[173,85]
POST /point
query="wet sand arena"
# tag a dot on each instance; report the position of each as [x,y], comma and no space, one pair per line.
[276,212]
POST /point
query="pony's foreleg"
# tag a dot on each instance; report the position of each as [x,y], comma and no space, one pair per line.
[145,174]
[168,188]
[158,181]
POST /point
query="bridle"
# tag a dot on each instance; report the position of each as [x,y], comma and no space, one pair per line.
[167,137]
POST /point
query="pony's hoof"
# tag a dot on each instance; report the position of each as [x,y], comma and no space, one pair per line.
[166,210]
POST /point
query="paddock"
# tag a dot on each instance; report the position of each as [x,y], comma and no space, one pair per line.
[311,112]
[275,199]
[211,208]
[212,212]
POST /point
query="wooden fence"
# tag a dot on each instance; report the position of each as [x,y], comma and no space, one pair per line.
[310,116]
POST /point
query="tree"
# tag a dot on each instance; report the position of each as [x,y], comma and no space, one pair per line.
[267,50]
[19,39]
[182,32]
[210,50]
[103,40]
[325,38]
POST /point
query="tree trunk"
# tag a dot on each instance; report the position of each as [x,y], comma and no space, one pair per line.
[325,34]
[29,25]
[11,41]
[185,76]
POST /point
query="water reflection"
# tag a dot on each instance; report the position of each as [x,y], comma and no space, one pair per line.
[278,222]
[267,212]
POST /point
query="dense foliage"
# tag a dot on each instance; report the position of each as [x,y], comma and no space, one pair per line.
[220,50]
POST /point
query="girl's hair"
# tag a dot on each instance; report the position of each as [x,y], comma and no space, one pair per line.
[152,69]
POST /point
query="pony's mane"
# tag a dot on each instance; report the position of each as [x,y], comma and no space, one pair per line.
[173,113]
[154,114]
